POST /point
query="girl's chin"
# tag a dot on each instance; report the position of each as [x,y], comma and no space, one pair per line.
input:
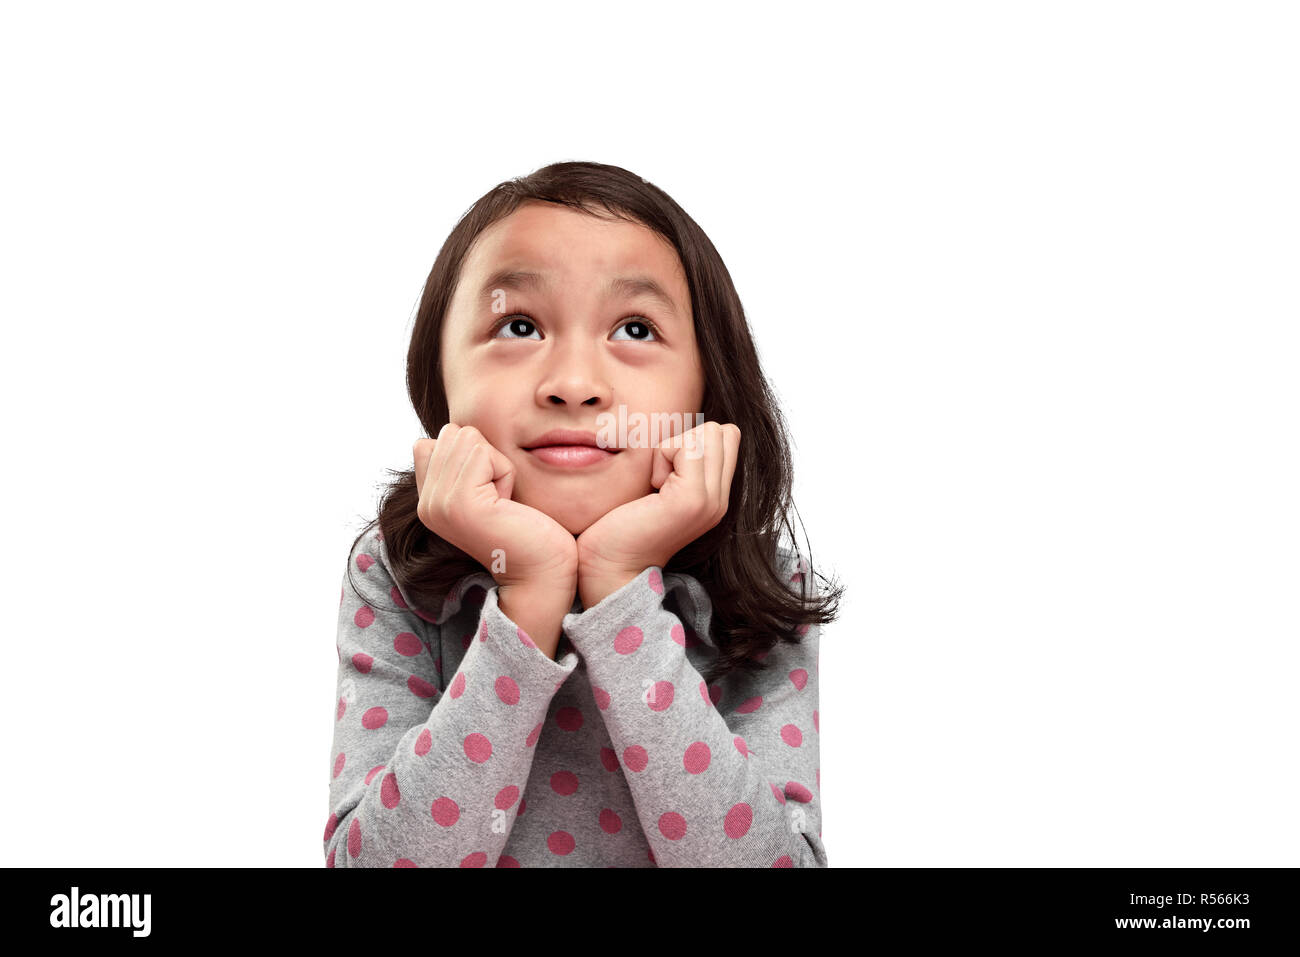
[576,519]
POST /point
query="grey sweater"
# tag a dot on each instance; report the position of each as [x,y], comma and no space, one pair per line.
[458,743]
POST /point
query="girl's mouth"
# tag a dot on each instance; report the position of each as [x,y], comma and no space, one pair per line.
[572,456]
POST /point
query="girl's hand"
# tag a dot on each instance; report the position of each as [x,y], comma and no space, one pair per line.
[693,473]
[465,486]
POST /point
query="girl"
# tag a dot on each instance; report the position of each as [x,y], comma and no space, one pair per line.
[563,641]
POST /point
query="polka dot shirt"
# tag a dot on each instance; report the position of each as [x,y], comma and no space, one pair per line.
[458,743]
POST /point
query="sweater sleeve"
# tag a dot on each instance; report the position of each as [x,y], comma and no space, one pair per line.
[422,774]
[731,784]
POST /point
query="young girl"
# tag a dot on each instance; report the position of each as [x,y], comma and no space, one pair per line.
[566,640]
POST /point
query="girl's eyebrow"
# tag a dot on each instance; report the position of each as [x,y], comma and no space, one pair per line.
[627,286]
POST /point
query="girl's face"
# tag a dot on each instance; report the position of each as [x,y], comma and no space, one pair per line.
[581,348]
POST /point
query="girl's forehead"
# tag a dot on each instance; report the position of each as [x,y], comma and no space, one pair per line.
[547,257]
[546,237]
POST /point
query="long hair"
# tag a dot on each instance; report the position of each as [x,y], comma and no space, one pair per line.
[736,561]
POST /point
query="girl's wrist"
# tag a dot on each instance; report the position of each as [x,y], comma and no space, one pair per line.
[595,585]
[545,593]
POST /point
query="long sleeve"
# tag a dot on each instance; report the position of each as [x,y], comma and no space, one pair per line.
[423,774]
[730,781]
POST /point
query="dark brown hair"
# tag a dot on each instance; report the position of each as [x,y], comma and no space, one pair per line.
[753,605]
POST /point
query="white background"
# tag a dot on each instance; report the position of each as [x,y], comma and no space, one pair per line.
[1024,276]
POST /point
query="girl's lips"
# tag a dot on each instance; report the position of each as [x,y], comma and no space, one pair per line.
[571,456]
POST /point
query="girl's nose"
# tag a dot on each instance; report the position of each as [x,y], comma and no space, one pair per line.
[574,390]
[574,377]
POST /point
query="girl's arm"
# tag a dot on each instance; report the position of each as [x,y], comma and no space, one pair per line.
[728,783]
[424,772]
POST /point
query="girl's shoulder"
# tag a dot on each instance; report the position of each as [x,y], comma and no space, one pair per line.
[368,552]
[369,565]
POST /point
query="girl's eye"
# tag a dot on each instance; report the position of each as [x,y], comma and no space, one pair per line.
[521,325]
[644,330]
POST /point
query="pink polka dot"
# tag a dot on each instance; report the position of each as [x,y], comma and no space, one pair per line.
[628,640]
[635,758]
[370,775]
[338,764]
[791,735]
[569,718]
[655,581]
[783,861]
[816,726]
[610,822]
[741,746]
[407,644]
[662,697]
[375,717]
[477,747]
[776,793]
[507,690]
[343,706]
[797,792]
[609,759]
[388,792]
[404,862]
[799,678]
[523,802]
[801,630]
[601,696]
[445,811]
[505,860]
[523,636]
[533,735]
[477,859]
[423,743]
[672,826]
[457,685]
[560,842]
[506,797]
[365,616]
[564,782]
[329,861]
[354,837]
[715,693]
[420,688]
[397,598]
[738,820]
[483,630]
[331,826]
[362,662]
[364,562]
[678,634]
[697,757]
[704,692]
[753,704]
